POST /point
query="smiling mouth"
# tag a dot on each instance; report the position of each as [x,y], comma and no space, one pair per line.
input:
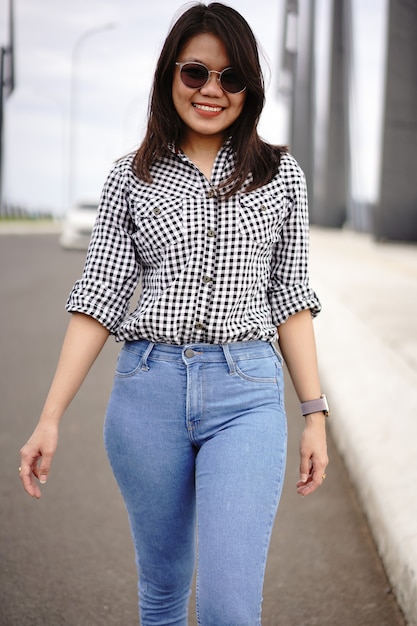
[208,108]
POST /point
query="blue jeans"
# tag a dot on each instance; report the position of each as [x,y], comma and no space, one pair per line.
[196,436]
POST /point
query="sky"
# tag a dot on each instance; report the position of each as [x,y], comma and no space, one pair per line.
[107,51]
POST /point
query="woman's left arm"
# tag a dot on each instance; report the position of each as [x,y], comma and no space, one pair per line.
[298,347]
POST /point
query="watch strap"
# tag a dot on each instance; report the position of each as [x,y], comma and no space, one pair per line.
[315,406]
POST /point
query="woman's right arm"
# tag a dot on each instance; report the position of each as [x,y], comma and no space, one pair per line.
[83,343]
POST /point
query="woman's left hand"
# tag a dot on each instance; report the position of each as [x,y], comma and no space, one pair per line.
[313,454]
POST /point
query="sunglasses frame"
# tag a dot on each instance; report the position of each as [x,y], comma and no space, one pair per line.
[209,73]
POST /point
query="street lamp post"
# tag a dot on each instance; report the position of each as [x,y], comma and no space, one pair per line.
[6,86]
[72,111]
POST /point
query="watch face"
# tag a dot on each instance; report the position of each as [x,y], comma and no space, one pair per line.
[326,410]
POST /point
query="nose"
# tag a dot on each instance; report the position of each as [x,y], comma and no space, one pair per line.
[213,84]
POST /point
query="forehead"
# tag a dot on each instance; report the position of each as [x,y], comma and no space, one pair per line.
[205,47]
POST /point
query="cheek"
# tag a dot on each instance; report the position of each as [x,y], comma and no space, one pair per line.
[180,105]
[179,92]
[243,99]
[240,104]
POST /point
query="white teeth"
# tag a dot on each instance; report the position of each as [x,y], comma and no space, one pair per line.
[209,109]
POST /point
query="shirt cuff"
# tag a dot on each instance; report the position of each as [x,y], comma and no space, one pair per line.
[288,301]
[102,304]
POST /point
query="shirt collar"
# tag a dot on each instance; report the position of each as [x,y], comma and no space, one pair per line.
[177,150]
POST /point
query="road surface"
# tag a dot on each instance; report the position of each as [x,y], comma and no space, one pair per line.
[67,559]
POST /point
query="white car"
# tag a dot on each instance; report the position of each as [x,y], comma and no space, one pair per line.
[77,225]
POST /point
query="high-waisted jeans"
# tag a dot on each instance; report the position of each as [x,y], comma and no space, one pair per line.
[196,436]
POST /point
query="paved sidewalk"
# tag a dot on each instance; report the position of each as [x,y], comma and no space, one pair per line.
[367,341]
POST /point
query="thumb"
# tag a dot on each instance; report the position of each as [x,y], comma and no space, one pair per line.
[304,469]
[44,469]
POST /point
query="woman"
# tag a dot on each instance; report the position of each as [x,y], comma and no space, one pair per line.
[214,222]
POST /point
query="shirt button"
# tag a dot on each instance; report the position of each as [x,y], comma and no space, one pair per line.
[189,353]
[207,279]
[263,208]
[211,233]
[200,326]
[157,211]
[211,193]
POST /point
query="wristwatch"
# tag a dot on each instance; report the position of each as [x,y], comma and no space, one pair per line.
[315,406]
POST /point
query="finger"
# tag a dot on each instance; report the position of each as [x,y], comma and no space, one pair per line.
[29,484]
[34,464]
[306,489]
[314,481]
[42,467]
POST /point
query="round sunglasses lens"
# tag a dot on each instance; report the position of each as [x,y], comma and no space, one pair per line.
[194,76]
[231,82]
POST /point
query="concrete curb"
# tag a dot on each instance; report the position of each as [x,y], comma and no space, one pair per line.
[373,392]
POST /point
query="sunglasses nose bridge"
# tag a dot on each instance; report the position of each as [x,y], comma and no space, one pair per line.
[218,77]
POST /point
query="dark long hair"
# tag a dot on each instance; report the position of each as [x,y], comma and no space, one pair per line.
[252,155]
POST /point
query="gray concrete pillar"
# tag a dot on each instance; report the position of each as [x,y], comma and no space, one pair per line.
[302,121]
[329,201]
[395,216]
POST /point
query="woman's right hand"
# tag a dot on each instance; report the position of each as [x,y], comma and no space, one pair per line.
[83,342]
[36,457]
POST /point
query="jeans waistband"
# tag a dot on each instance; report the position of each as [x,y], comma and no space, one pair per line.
[203,352]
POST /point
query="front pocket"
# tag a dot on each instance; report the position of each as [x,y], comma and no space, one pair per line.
[159,224]
[261,216]
[128,362]
[162,246]
[260,370]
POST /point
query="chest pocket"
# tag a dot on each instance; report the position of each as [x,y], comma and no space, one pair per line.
[261,217]
[160,227]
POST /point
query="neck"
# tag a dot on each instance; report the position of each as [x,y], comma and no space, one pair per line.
[199,146]
[202,151]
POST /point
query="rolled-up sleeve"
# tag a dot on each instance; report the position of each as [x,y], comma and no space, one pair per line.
[111,270]
[289,290]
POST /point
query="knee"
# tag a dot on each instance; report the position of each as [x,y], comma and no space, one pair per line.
[163,604]
[232,610]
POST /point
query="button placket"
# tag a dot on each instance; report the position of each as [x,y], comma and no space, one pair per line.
[209,219]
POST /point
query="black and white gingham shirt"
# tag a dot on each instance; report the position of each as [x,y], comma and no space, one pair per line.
[212,270]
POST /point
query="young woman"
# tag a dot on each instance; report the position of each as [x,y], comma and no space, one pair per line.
[214,222]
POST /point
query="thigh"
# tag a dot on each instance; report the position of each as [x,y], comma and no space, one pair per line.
[153,462]
[239,473]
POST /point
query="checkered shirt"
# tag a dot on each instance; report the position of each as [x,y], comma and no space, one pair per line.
[211,270]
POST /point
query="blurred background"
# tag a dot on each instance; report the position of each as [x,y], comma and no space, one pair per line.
[341,91]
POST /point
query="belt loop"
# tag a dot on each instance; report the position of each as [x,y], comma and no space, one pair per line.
[144,362]
[229,359]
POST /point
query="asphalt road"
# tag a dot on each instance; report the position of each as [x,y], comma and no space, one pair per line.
[67,559]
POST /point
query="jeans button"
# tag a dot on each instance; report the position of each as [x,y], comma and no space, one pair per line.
[189,353]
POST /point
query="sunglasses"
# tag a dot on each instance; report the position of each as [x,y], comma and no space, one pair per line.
[196,75]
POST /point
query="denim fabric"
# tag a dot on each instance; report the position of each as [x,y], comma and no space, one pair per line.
[196,436]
